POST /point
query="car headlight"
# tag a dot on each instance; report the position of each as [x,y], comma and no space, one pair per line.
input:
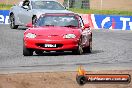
[30,35]
[68,36]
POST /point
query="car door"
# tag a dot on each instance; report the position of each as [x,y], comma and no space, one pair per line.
[25,15]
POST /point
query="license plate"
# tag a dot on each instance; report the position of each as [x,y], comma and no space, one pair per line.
[50,45]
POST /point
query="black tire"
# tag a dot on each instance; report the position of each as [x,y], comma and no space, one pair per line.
[27,52]
[81,80]
[12,22]
[39,52]
[79,50]
[34,19]
[89,48]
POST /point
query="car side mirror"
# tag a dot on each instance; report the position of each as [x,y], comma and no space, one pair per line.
[86,26]
[29,25]
[25,7]
[66,8]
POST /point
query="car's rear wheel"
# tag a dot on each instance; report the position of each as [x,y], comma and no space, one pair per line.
[34,19]
[27,52]
[39,52]
[12,22]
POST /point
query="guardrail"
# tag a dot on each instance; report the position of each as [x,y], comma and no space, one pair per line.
[108,21]
[95,21]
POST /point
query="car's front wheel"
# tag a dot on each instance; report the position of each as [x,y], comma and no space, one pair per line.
[89,48]
[27,52]
[79,49]
[12,22]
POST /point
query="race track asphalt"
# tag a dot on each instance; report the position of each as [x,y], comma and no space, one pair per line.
[112,50]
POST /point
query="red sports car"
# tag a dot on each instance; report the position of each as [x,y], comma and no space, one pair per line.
[58,32]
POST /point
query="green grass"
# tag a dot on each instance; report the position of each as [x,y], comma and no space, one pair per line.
[5,7]
[110,12]
[84,11]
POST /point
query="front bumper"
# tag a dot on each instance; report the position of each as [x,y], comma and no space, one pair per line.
[62,44]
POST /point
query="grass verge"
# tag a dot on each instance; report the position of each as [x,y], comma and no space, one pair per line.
[109,12]
[84,11]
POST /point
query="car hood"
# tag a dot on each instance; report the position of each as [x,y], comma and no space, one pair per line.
[38,12]
[55,31]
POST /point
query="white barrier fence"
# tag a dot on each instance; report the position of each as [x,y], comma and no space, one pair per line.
[95,21]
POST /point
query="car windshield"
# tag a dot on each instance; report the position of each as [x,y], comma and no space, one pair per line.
[65,21]
[50,5]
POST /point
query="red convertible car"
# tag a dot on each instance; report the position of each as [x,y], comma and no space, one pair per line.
[57,32]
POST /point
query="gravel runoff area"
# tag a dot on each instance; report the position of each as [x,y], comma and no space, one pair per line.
[56,80]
